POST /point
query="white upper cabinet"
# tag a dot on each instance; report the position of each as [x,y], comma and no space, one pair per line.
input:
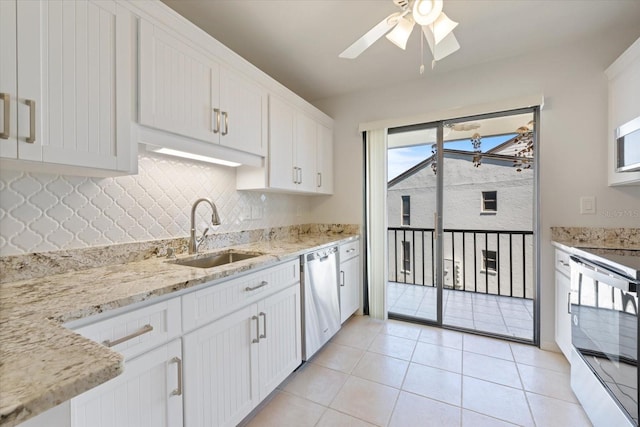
[243,113]
[305,153]
[300,154]
[324,160]
[66,85]
[282,169]
[186,91]
[176,90]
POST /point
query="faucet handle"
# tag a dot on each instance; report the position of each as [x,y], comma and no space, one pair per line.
[204,234]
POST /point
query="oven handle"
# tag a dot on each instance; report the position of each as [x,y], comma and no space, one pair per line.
[602,274]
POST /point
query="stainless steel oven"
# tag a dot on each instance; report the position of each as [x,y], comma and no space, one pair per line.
[628,146]
[604,329]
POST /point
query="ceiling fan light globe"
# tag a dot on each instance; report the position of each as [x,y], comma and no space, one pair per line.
[442,27]
[400,34]
[446,47]
[426,12]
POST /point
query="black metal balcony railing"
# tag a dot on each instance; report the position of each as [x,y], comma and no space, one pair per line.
[496,262]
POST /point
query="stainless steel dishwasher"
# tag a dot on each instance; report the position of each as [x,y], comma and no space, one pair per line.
[320,295]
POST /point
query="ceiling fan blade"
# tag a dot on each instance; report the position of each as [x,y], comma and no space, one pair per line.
[371,36]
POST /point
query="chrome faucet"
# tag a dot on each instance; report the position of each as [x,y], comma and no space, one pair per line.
[215,220]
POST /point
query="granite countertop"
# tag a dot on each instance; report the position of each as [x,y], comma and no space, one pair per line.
[43,364]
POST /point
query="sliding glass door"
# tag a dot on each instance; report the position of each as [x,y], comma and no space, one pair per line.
[461,204]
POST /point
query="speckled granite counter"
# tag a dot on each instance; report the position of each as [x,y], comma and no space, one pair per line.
[43,364]
[596,237]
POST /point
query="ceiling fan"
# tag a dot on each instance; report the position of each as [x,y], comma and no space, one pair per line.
[435,25]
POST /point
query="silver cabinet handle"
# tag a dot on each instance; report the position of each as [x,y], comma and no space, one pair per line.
[561,262]
[351,250]
[32,120]
[178,390]
[216,120]
[7,115]
[257,338]
[299,175]
[262,284]
[145,329]
[341,278]
[319,180]
[295,175]
[264,325]
[569,302]
[226,122]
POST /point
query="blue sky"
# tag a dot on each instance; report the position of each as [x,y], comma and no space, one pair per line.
[401,159]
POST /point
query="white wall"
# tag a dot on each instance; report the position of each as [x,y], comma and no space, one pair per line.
[573,139]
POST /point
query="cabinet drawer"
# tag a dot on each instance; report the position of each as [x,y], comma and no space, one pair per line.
[349,250]
[562,262]
[139,330]
[208,304]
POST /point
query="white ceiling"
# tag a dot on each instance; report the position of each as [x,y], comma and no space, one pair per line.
[297,42]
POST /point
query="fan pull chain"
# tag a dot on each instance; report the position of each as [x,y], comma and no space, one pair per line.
[421,53]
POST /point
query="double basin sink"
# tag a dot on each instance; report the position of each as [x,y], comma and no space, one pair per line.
[216,259]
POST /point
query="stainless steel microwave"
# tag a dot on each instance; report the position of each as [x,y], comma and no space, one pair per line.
[628,146]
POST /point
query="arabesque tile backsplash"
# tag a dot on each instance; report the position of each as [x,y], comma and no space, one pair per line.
[45,212]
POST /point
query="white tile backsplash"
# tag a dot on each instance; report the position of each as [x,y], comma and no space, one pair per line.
[44,212]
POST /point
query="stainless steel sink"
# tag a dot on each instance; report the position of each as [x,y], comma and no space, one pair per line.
[216,259]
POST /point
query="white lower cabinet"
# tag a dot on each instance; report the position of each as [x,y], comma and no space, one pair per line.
[349,279]
[233,363]
[147,394]
[245,338]
[563,296]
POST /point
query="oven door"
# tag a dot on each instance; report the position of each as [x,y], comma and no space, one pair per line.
[604,329]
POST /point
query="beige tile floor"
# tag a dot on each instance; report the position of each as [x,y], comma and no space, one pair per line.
[397,374]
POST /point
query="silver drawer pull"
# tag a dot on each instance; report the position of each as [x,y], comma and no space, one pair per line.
[32,120]
[351,250]
[226,123]
[257,338]
[7,115]
[264,315]
[342,278]
[178,390]
[263,283]
[216,128]
[141,331]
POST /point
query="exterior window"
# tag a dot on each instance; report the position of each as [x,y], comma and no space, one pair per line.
[406,256]
[489,261]
[406,210]
[489,201]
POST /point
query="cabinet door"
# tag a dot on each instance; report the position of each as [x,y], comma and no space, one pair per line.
[280,338]
[8,81]
[563,317]
[281,139]
[349,287]
[324,160]
[243,110]
[305,152]
[76,66]
[146,394]
[31,71]
[221,378]
[178,86]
